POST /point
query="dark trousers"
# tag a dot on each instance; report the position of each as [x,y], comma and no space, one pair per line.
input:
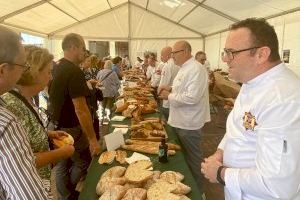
[190,139]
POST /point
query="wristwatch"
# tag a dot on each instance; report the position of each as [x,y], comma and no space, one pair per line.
[219,177]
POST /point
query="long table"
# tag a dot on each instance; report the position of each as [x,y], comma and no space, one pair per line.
[175,163]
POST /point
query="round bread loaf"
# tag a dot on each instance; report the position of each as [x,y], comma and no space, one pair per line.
[137,172]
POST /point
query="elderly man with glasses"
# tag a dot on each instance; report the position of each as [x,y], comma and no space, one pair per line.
[189,105]
[258,158]
[18,175]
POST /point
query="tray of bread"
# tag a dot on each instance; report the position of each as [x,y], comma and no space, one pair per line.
[138,181]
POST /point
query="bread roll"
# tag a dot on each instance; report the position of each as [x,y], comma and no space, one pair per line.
[107,157]
[64,140]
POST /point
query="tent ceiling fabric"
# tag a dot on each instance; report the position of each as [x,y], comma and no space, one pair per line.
[198,17]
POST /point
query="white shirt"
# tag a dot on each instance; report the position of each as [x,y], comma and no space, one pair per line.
[168,73]
[150,71]
[189,105]
[156,76]
[264,163]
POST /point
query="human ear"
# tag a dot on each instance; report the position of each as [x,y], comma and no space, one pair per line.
[263,54]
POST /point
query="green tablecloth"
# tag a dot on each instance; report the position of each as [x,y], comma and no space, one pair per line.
[176,163]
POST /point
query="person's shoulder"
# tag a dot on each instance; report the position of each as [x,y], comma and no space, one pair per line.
[6,118]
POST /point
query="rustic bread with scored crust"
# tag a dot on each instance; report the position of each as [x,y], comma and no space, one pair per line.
[171,176]
[135,194]
[137,172]
[107,157]
[162,190]
[120,156]
[115,192]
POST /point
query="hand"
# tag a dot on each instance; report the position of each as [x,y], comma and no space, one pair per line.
[218,156]
[209,169]
[67,151]
[93,82]
[163,87]
[164,94]
[57,134]
[95,148]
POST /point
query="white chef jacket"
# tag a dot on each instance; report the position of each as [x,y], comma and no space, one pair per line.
[264,163]
[168,73]
[155,78]
[189,104]
[150,71]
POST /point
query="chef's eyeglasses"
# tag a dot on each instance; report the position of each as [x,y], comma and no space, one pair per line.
[230,53]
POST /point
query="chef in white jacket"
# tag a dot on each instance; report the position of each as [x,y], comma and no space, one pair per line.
[189,104]
[168,73]
[258,158]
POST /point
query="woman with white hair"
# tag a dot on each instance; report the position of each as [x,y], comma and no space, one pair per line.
[109,79]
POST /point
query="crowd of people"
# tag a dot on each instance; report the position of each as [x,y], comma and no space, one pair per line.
[256,159]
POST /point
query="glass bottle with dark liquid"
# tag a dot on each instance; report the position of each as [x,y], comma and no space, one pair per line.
[163,151]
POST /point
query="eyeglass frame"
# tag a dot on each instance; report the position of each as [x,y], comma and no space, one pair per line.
[175,52]
[26,66]
[226,51]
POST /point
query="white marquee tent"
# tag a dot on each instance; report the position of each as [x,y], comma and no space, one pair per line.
[152,24]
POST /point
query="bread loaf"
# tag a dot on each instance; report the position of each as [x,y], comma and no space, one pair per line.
[152,180]
[135,194]
[137,172]
[64,140]
[120,156]
[150,149]
[171,176]
[115,192]
[106,183]
[141,142]
[162,190]
[112,176]
[107,157]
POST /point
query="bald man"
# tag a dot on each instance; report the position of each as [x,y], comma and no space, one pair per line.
[189,106]
[169,72]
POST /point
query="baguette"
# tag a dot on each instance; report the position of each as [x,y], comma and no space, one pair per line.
[150,149]
[141,142]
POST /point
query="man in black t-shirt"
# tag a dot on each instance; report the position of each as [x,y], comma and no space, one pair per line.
[69,109]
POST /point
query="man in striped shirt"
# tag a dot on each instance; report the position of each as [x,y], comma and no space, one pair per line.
[18,176]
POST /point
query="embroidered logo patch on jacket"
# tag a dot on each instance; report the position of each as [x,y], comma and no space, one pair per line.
[249,121]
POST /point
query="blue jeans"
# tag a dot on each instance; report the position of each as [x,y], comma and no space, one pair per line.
[70,171]
[190,139]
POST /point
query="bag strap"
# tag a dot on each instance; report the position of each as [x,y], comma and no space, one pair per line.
[19,96]
[106,76]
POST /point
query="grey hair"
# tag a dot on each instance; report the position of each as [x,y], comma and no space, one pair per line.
[9,45]
[108,64]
